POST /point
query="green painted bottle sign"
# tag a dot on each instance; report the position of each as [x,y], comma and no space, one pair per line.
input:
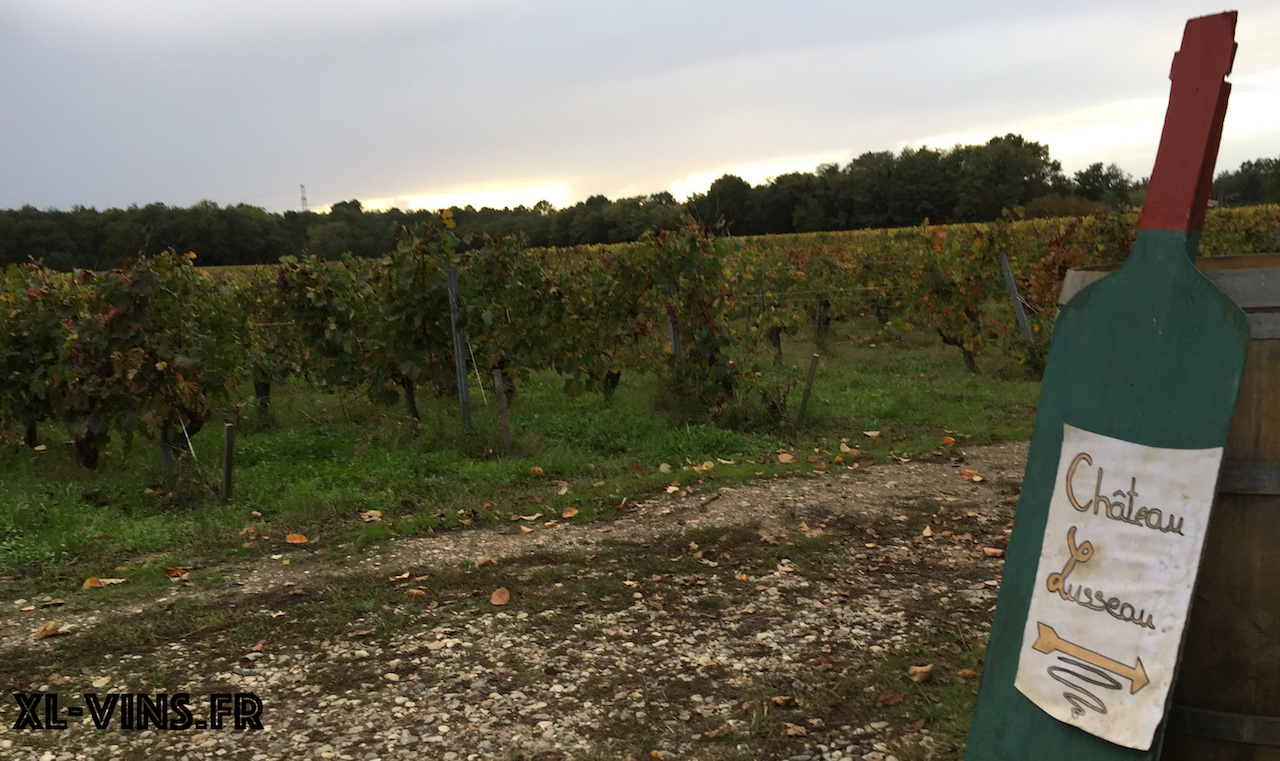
[1148,360]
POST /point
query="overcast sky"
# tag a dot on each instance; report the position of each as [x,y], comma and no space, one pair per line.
[424,103]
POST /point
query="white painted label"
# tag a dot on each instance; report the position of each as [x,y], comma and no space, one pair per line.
[1117,567]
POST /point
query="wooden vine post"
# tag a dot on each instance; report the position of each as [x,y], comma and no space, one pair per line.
[500,390]
[1012,287]
[459,346]
[228,447]
[808,386]
[674,329]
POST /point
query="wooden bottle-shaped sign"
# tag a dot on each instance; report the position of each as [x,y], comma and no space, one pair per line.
[1135,408]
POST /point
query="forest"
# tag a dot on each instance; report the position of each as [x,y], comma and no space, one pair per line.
[966,183]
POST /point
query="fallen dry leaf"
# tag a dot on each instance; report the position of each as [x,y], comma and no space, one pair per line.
[927,531]
[415,593]
[91,582]
[814,458]
[948,440]
[369,516]
[921,674]
[871,434]
[500,596]
[993,552]
[966,673]
[569,512]
[971,475]
[50,629]
[111,581]
[296,539]
[401,577]
[890,697]
[483,560]
[257,648]
[786,457]
[535,471]
[672,489]
[795,730]
[664,468]
[526,530]
[174,573]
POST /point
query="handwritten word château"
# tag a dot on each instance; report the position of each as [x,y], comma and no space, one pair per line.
[1118,511]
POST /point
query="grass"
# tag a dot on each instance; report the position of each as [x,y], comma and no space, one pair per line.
[324,458]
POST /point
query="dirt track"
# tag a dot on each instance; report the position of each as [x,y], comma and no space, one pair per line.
[774,620]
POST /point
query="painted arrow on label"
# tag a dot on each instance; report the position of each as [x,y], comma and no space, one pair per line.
[1048,641]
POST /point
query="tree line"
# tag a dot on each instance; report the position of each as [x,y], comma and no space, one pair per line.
[966,183]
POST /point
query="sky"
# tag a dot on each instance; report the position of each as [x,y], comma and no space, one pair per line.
[426,104]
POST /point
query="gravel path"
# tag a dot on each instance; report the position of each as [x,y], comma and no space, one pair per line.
[749,623]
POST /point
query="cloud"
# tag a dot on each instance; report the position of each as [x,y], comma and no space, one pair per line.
[138,101]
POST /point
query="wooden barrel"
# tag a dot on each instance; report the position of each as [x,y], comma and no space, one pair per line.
[1226,699]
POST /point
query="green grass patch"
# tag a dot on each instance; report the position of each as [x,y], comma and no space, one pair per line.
[322,459]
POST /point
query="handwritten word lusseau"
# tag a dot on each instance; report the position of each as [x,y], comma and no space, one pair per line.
[1090,598]
[1147,517]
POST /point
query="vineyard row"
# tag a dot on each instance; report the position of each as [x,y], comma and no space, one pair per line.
[160,346]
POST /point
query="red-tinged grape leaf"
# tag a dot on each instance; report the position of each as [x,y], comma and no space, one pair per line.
[500,596]
[890,697]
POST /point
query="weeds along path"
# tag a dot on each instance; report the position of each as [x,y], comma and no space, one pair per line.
[814,618]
